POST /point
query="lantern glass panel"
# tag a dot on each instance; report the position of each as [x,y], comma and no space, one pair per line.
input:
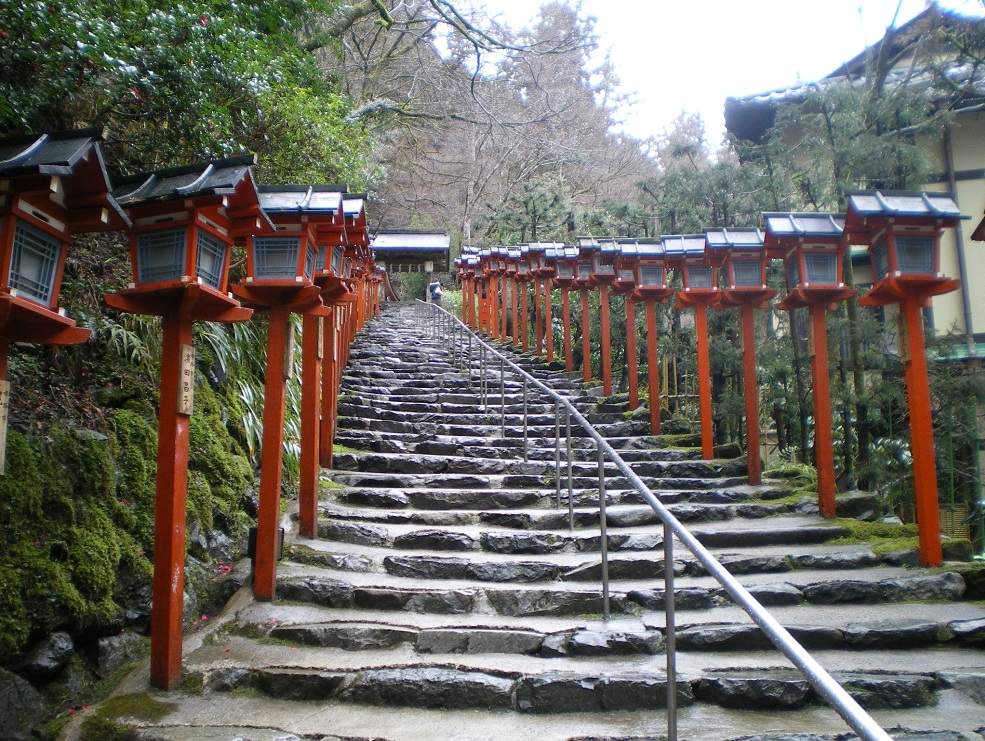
[524,267]
[651,276]
[793,271]
[915,254]
[627,274]
[337,260]
[821,267]
[700,276]
[347,267]
[746,273]
[161,255]
[33,263]
[211,261]
[880,259]
[310,256]
[565,270]
[584,268]
[276,257]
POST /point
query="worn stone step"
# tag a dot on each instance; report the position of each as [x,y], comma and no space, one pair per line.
[424,463]
[527,481]
[576,686]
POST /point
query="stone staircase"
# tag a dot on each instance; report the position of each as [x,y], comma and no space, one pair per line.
[451,594]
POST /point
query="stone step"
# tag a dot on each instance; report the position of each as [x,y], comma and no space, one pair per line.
[626,564]
[528,509]
[526,481]
[412,591]
[499,448]
[519,682]
[463,533]
[424,463]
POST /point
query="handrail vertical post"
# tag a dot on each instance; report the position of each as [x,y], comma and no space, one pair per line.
[670,634]
[571,497]
[557,454]
[502,398]
[483,386]
[525,454]
[470,359]
[604,535]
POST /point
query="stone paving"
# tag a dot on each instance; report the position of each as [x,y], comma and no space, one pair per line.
[447,597]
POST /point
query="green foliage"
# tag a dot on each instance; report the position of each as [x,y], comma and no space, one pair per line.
[62,539]
[180,81]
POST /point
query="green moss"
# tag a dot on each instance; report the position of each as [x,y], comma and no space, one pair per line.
[137,705]
[219,470]
[104,725]
[192,683]
[95,728]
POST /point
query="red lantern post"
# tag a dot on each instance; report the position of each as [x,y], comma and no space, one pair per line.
[744,273]
[280,277]
[587,246]
[315,215]
[603,275]
[688,255]
[902,231]
[651,288]
[545,270]
[564,278]
[626,264]
[185,220]
[812,254]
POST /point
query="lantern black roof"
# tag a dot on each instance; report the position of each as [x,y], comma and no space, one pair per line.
[65,154]
[291,198]
[808,225]
[221,177]
[684,245]
[54,153]
[735,239]
[902,203]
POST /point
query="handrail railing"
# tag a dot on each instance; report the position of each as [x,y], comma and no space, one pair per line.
[842,702]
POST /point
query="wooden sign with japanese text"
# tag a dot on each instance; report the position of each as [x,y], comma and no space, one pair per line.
[186,382]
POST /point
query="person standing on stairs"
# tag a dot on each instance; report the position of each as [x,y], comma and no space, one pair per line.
[434,288]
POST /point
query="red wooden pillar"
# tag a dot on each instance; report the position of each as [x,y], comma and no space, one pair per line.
[272,456]
[514,335]
[312,344]
[704,381]
[548,321]
[750,390]
[606,340]
[525,319]
[569,360]
[538,325]
[329,377]
[921,432]
[169,509]
[652,366]
[493,306]
[631,359]
[823,443]
[505,309]
[586,337]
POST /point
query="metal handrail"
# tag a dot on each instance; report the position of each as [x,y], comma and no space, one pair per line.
[843,703]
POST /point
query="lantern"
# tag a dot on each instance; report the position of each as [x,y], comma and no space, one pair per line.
[745,259]
[902,232]
[812,251]
[604,262]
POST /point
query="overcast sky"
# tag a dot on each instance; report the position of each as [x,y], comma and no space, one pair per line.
[690,55]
